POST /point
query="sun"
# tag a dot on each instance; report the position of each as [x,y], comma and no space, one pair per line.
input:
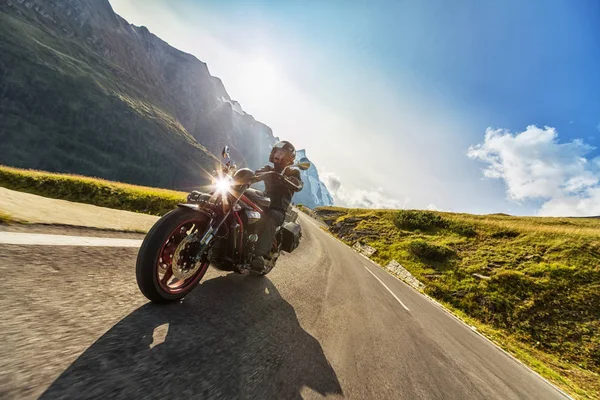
[262,74]
[260,84]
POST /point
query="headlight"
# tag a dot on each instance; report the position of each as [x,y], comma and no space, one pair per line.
[222,185]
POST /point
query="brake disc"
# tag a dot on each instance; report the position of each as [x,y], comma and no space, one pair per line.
[184,265]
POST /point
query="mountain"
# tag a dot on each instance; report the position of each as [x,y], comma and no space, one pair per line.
[315,192]
[83,91]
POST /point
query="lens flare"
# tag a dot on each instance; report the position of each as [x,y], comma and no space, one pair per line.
[223,184]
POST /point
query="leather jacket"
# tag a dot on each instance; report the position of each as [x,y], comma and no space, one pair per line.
[277,190]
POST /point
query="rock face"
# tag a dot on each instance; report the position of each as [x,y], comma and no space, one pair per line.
[175,82]
[84,91]
[314,193]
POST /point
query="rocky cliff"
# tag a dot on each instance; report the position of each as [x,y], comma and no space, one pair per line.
[84,91]
[315,192]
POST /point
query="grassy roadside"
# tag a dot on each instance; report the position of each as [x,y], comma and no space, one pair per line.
[5,218]
[577,382]
[310,212]
[532,285]
[88,190]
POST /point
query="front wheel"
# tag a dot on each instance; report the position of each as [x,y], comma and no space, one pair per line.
[166,269]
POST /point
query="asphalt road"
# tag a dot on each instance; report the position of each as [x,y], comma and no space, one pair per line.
[74,325]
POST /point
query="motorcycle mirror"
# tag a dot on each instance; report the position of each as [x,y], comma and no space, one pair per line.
[225,152]
[303,164]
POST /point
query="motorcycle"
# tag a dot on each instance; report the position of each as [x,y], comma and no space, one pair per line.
[216,228]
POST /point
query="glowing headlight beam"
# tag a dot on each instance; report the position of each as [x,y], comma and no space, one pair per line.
[223,185]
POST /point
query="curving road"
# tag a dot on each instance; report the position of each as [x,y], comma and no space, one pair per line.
[325,322]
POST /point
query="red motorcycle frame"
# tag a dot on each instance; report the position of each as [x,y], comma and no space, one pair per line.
[210,228]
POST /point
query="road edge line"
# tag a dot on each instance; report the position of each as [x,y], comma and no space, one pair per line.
[388,289]
[449,312]
[474,330]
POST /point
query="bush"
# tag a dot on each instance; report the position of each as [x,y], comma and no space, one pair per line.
[427,221]
[432,252]
[423,220]
[505,234]
[512,282]
[462,229]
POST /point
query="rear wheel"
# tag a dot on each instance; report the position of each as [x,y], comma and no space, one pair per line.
[166,269]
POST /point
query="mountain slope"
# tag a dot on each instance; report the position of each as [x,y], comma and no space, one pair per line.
[65,108]
[83,91]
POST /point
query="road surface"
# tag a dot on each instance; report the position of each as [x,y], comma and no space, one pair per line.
[325,322]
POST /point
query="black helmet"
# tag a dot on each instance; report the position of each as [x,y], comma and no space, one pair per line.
[285,145]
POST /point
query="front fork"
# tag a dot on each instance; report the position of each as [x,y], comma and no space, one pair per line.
[206,237]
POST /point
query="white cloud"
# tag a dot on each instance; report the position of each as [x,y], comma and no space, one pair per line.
[587,205]
[375,198]
[534,165]
[332,182]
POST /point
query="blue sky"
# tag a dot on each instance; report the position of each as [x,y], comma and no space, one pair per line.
[388,97]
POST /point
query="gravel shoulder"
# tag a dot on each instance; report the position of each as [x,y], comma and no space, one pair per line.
[35,209]
[69,230]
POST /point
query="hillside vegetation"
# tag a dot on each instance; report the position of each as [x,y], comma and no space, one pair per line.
[88,190]
[533,284]
[65,108]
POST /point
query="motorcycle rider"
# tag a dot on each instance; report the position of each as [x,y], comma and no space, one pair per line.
[282,155]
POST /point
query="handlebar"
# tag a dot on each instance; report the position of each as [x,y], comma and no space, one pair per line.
[261,176]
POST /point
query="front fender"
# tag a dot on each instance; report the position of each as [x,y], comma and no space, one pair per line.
[197,208]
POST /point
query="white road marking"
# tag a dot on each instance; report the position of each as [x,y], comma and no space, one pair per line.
[388,289]
[64,240]
[449,313]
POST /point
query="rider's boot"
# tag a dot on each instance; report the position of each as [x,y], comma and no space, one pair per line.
[258,264]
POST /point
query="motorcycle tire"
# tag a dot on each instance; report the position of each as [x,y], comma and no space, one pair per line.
[154,245]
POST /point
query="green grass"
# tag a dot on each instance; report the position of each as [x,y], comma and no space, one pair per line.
[429,252]
[5,218]
[542,299]
[99,192]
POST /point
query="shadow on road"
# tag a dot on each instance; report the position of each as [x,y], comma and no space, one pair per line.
[233,337]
